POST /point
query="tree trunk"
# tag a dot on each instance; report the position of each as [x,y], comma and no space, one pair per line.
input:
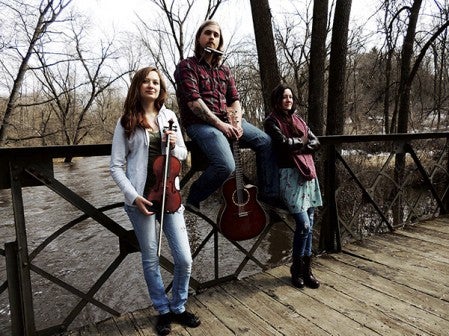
[317,67]
[48,13]
[263,30]
[330,230]
[404,103]
[407,54]
[337,68]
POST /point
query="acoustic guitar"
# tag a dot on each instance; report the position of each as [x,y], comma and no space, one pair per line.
[241,216]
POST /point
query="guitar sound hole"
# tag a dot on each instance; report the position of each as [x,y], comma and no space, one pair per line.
[240,197]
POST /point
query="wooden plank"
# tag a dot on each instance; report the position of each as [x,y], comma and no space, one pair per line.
[143,321]
[89,330]
[108,327]
[425,305]
[276,314]
[429,254]
[372,276]
[210,324]
[392,284]
[354,309]
[358,303]
[126,326]
[439,224]
[425,234]
[308,304]
[432,240]
[233,315]
[393,309]
[403,277]
[407,265]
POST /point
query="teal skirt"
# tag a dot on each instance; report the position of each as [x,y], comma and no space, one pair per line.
[297,193]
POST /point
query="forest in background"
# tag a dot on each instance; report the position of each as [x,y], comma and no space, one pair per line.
[59,87]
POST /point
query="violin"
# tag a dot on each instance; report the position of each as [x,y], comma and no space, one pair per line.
[164,195]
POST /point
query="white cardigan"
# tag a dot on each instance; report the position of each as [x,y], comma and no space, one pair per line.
[129,157]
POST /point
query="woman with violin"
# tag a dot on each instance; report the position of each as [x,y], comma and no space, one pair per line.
[139,159]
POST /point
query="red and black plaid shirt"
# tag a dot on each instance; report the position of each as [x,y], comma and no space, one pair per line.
[214,85]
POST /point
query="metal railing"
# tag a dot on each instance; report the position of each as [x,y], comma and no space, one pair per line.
[345,178]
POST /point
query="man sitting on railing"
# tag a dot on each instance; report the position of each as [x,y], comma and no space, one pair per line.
[206,93]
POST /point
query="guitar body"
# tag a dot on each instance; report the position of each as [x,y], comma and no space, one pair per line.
[241,216]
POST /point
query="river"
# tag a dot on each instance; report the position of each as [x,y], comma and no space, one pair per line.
[81,254]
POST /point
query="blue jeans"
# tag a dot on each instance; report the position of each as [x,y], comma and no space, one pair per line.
[302,239]
[176,233]
[214,144]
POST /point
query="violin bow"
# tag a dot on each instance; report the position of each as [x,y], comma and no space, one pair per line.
[167,153]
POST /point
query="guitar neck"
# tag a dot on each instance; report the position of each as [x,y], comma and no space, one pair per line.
[238,165]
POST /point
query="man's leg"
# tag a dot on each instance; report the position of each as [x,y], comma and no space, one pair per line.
[215,147]
[267,170]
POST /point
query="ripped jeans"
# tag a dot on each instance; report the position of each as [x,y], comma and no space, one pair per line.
[302,239]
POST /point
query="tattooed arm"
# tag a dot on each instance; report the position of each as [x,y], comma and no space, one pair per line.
[200,109]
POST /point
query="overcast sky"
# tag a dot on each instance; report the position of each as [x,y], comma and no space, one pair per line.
[122,14]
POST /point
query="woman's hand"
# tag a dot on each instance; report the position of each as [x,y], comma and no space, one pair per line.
[173,138]
[142,204]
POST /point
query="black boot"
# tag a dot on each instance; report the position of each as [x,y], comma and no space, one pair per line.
[297,270]
[309,280]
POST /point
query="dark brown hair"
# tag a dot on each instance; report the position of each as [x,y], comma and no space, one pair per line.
[133,113]
[199,50]
[276,105]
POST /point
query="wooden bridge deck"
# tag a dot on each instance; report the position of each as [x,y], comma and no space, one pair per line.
[393,284]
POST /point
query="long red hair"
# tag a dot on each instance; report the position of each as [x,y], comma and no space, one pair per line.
[133,113]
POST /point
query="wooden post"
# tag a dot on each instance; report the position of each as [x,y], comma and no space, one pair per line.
[330,228]
[25,322]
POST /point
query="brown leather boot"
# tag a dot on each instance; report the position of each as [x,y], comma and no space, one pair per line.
[309,280]
[297,270]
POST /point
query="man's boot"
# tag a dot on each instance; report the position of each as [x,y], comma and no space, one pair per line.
[309,280]
[297,270]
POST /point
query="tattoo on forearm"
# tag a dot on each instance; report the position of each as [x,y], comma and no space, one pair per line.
[201,110]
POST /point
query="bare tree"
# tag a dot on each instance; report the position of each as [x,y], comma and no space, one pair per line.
[335,114]
[48,10]
[293,44]
[269,71]
[391,38]
[337,68]
[166,39]
[440,64]
[317,66]
[73,86]
[406,75]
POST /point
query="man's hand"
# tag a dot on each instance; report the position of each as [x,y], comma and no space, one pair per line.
[235,117]
[231,132]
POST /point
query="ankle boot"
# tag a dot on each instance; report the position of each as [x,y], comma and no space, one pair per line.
[309,280]
[296,270]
